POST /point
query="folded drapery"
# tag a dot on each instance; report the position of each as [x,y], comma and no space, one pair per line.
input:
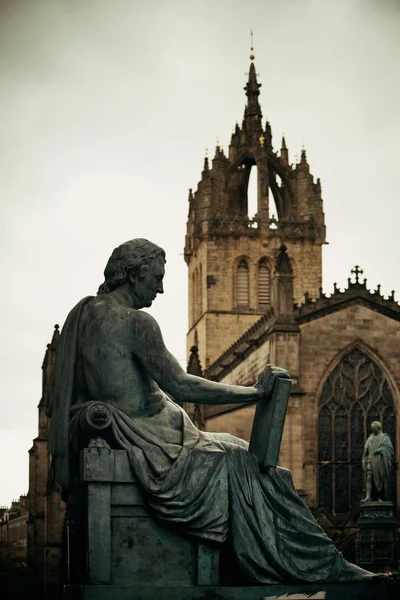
[210,486]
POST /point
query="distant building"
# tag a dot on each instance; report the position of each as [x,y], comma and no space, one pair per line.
[255,297]
[13,523]
[47,554]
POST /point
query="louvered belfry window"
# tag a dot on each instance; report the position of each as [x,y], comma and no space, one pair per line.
[242,284]
[263,285]
[356,393]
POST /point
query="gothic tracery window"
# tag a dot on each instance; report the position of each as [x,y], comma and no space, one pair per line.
[356,393]
[242,284]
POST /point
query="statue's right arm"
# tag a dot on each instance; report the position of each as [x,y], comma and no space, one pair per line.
[165,370]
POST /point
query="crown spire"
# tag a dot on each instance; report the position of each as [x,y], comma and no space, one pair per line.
[252,89]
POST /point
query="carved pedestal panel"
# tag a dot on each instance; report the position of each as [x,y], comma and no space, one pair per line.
[377,543]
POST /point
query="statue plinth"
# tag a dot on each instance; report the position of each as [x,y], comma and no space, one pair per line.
[377,543]
[377,514]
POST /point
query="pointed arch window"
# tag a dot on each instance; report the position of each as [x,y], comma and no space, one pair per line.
[242,284]
[356,393]
[263,285]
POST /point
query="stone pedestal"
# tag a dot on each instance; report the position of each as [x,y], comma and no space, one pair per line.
[313,591]
[377,543]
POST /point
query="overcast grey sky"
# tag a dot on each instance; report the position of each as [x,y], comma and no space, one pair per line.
[106,108]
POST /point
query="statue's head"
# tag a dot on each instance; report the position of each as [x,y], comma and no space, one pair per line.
[138,264]
[376,427]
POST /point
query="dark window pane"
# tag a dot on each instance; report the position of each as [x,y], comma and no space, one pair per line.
[326,395]
[325,487]
[356,484]
[357,439]
[341,489]
[325,435]
[389,425]
[341,436]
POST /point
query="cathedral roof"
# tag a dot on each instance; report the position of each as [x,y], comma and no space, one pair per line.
[356,292]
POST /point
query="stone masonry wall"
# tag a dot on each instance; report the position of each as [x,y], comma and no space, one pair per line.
[222,322]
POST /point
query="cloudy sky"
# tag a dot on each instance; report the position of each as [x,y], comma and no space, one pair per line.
[106,109]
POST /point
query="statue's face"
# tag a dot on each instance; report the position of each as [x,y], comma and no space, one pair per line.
[145,290]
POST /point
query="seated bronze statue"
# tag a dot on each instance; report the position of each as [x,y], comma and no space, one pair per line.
[207,485]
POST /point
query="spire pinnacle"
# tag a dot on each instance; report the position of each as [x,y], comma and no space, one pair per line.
[251,49]
[56,334]
[252,89]
[206,165]
[284,151]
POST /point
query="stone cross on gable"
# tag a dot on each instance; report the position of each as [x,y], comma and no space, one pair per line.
[357,271]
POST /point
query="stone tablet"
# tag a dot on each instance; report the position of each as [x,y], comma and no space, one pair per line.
[269,419]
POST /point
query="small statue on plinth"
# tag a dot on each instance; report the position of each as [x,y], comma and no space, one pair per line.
[377,464]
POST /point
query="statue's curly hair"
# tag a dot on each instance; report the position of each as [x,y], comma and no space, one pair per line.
[130,258]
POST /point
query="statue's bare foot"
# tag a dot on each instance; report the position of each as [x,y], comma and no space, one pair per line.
[385,577]
[366,499]
[99,445]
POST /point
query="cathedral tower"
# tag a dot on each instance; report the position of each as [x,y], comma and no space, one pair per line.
[231,255]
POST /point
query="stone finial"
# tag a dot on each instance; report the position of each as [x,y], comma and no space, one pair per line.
[56,334]
[284,152]
[190,199]
[283,266]
[194,365]
[219,153]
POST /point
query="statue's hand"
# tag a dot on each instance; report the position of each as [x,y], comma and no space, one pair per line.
[266,379]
